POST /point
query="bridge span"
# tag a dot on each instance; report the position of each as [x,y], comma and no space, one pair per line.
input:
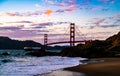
[72,40]
[67,42]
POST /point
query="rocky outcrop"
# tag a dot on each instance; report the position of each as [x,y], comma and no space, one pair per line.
[42,52]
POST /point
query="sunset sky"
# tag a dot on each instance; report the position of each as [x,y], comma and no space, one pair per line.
[31,19]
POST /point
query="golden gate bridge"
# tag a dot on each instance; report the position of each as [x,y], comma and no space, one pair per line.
[71,40]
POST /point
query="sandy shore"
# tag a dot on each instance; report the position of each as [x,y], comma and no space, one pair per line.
[110,67]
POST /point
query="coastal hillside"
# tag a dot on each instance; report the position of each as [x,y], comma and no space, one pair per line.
[115,42]
[107,48]
[7,43]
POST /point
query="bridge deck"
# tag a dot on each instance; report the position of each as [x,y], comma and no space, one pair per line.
[66,42]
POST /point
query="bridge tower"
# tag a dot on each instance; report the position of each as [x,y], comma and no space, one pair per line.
[72,34]
[45,40]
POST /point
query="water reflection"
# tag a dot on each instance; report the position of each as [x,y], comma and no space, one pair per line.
[64,73]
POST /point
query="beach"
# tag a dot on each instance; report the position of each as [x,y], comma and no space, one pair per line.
[110,67]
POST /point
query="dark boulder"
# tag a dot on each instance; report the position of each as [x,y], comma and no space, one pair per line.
[40,52]
[6,53]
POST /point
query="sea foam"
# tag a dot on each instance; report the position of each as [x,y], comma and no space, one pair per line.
[30,66]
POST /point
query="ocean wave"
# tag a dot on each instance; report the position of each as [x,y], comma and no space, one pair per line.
[29,66]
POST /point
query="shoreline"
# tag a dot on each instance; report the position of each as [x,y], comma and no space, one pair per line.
[62,73]
[110,67]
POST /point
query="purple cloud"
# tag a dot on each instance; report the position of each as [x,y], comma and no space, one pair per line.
[21,22]
[105,9]
[60,10]
[117,15]
[106,26]
[103,26]
[57,34]
[35,13]
[97,21]
[43,25]
[11,28]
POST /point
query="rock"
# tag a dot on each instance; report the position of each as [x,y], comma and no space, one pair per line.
[40,52]
[6,53]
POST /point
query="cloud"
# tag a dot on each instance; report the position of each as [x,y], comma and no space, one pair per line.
[102,26]
[43,25]
[117,15]
[22,33]
[6,14]
[1,23]
[96,33]
[85,2]
[112,1]
[20,22]
[61,23]
[60,10]
[94,8]
[63,6]
[48,12]
[56,35]
[105,9]
[40,25]
[107,1]
[68,5]
[11,28]
[97,21]
[35,13]
[107,26]
[71,8]
[67,9]
[37,5]
[60,2]
[104,1]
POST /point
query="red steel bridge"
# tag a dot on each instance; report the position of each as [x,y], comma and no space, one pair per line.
[71,39]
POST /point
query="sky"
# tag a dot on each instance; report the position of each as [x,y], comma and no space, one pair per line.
[31,19]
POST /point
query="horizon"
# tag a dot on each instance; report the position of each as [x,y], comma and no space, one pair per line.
[31,19]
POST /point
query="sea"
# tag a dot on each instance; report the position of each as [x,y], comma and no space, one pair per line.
[19,64]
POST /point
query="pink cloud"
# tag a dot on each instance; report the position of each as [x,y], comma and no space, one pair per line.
[71,8]
[6,14]
[117,15]
[97,21]
[63,4]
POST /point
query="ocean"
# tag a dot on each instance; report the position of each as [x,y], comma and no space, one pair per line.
[18,64]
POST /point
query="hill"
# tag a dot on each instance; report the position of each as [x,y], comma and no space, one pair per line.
[107,48]
[115,42]
[7,43]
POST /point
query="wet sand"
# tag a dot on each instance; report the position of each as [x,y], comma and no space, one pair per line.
[63,73]
[110,67]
